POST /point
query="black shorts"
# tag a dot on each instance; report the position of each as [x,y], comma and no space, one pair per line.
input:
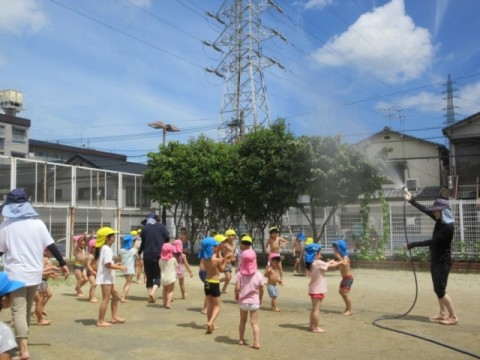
[212,289]
[152,272]
[440,278]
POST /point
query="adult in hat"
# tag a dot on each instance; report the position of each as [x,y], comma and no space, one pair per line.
[440,254]
[154,234]
[7,340]
[23,239]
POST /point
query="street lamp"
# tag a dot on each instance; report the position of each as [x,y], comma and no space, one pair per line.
[165,128]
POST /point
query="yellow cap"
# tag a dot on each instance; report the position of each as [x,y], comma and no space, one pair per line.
[247,239]
[230,232]
[309,241]
[102,235]
[219,238]
[133,232]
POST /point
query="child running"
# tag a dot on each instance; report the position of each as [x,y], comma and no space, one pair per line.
[106,276]
[127,254]
[340,248]
[272,273]
[168,269]
[181,261]
[249,294]
[214,264]
[80,261]
[317,287]
[92,270]
[44,292]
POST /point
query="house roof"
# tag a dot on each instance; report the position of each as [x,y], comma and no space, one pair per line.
[75,150]
[105,163]
[465,122]
[388,130]
[14,120]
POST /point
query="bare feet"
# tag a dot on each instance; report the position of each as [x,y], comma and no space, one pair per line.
[225,291]
[104,324]
[44,322]
[438,317]
[123,300]
[256,347]
[318,330]
[241,342]
[449,321]
[347,313]
[25,356]
[204,311]
[118,320]
[210,328]
[275,309]
[151,299]
[93,300]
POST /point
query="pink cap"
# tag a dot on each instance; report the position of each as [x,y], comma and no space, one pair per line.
[167,252]
[92,243]
[273,255]
[248,265]
[178,246]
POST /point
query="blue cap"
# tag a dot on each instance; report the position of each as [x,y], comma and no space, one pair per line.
[310,252]
[127,243]
[301,236]
[341,246]
[207,248]
[7,286]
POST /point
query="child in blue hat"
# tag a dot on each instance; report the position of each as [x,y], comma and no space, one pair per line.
[340,247]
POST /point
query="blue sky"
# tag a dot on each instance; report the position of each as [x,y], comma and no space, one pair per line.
[94,73]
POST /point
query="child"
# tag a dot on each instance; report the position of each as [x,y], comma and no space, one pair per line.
[298,252]
[317,287]
[44,292]
[127,254]
[91,270]
[80,261]
[340,248]
[106,276]
[138,258]
[214,264]
[245,243]
[272,273]
[7,340]
[168,269]
[249,294]
[181,260]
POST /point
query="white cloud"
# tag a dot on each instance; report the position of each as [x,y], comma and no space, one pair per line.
[385,43]
[19,15]
[317,4]
[468,99]
[440,10]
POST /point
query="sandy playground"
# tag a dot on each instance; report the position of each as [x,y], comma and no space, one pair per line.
[152,332]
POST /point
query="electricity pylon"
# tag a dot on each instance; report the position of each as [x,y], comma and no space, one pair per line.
[244,103]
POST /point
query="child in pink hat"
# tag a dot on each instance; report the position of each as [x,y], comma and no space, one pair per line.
[181,260]
[168,269]
[249,294]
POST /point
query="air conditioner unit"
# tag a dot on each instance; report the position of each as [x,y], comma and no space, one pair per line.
[413,184]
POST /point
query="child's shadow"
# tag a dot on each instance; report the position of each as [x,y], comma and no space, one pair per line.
[294,326]
[226,340]
[87,322]
[192,325]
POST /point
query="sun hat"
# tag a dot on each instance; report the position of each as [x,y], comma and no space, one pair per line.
[246,238]
[219,238]
[273,256]
[341,246]
[206,251]
[310,252]
[167,252]
[7,286]
[102,235]
[274,229]
[439,204]
[248,266]
[230,232]
[134,232]
[92,243]
[16,205]
[178,246]
[301,236]
[127,243]
[309,241]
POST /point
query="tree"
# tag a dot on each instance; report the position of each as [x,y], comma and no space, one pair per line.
[339,174]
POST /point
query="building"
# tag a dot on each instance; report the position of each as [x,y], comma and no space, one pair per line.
[464,137]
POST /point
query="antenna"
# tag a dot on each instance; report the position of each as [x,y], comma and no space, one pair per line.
[11,101]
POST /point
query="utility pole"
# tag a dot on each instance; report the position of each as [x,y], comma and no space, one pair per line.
[244,103]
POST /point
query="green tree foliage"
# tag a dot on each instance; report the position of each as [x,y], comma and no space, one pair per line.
[339,174]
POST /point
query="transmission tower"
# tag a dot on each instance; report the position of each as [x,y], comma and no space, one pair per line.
[450,109]
[244,103]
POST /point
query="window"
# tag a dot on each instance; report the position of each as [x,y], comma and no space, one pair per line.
[2,131]
[19,135]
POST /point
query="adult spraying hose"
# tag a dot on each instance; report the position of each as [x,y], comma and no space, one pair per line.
[441,261]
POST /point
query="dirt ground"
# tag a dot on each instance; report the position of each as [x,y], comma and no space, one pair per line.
[153,332]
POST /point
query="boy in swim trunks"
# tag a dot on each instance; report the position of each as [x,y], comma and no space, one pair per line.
[272,273]
[340,248]
[274,243]
[214,263]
